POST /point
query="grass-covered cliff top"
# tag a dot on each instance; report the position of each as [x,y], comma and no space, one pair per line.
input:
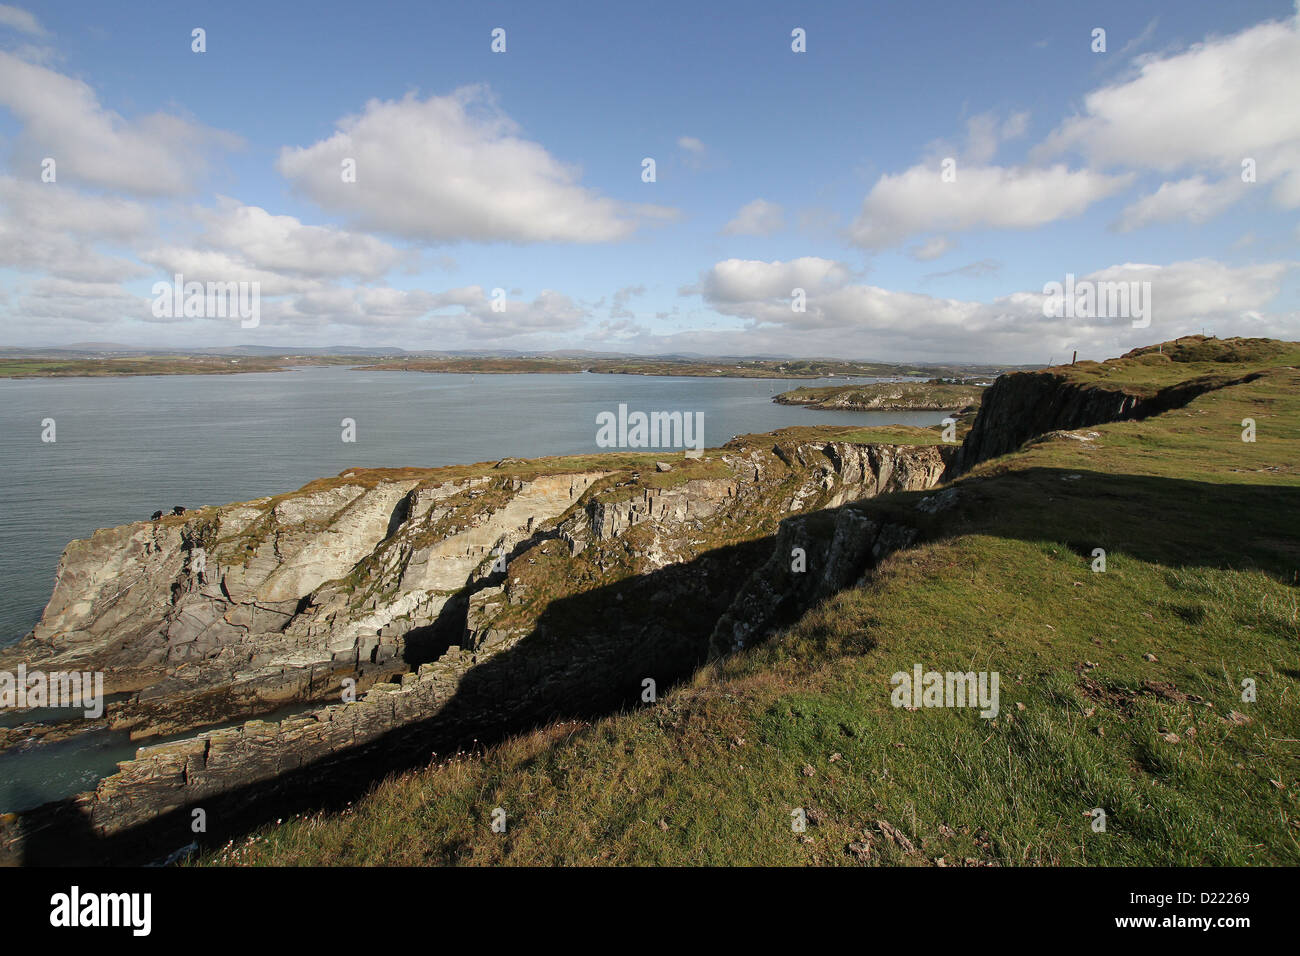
[1146,370]
[1121,689]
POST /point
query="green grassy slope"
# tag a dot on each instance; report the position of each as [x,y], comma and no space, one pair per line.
[1120,690]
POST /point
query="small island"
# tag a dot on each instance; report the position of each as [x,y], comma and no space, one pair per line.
[934,395]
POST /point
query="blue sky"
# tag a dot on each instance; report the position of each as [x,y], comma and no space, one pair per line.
[522,171]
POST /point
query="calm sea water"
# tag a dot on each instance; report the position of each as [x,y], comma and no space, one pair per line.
[127,447]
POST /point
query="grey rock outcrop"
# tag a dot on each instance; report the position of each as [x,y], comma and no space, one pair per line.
[545,590]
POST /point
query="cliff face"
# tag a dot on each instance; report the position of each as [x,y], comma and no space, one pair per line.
[475,602]
[267,597]
[257,595]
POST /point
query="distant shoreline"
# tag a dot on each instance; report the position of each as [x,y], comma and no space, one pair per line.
[26,368]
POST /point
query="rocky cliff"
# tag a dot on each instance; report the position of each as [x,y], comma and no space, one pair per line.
[472,600]
[272,600]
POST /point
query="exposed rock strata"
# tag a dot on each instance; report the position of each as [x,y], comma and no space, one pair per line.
[511,598]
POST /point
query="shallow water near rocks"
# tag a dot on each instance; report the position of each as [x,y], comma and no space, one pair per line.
[38,773]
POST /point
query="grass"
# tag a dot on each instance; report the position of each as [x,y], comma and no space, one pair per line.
[722,764]
[1147,370]
[1120,689]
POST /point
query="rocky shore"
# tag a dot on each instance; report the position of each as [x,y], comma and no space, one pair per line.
[885,396]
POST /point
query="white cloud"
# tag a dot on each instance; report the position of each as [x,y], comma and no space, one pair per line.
[284,244]
[757,218]
[1147,32]
[156,155]
[1203,111]
[1187,294]
[548,312]
[619,309]
[972,270]
[418,312]
[212,265]
[1192,200]
[1208,107]
[866,320]
[918,201]
[750,280]
[984,133]
[452,168]
[51,299]
[50,207]
[361,306]
[931,249]
[18,19]
[53,228]
[690,144]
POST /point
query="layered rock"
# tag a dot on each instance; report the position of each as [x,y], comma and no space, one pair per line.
[505,599]
[254,596]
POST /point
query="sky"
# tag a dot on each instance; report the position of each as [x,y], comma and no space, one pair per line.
[921,171]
